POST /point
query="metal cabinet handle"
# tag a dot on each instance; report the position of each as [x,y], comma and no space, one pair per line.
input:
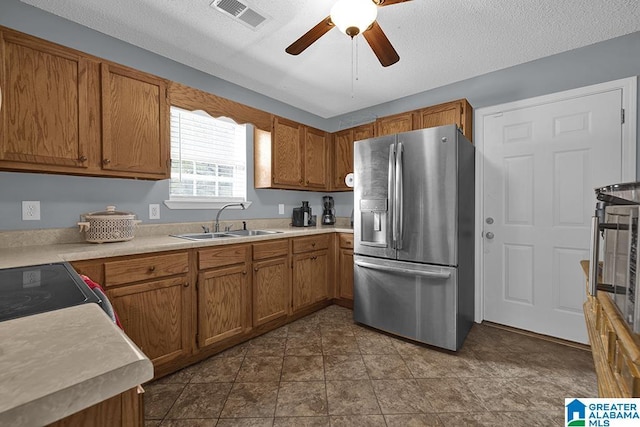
[82,159]
[244,272]
[186,285]
[152,268]
[256,269]
[106,161]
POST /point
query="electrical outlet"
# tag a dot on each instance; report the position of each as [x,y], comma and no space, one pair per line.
[154,211]
[281,209]
[31,211]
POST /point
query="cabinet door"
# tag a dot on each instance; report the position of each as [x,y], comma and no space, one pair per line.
[346,273]
[343,152]
[302,284]
[310,273]
[287,153]
[223,304]
[155,315]
[455,112]
[316,158]
[394,124]
[135,123]
[320,275]
[363,132]
[122,410]
[270,290]
[45,113]
[342,157]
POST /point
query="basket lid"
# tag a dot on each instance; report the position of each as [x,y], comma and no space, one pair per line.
[109,212]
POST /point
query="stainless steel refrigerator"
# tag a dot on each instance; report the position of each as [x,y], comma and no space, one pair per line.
[414,235]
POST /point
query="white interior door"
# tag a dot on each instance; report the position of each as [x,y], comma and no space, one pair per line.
[541,163]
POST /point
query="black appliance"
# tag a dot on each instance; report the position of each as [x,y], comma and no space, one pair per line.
[301,216]
[328,212]
[39,288]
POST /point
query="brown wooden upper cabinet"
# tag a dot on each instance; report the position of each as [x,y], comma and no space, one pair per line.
[456,112]
[45,116]
[395,124]
[292,156]
[64,111]
[135,123]
[343,153]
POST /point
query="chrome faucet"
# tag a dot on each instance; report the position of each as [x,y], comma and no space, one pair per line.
[216,227]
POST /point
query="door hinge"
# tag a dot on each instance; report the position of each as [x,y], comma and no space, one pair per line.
[622,116]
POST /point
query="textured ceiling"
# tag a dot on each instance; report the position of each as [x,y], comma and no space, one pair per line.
[439,42]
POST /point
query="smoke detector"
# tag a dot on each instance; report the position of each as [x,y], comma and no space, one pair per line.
[241,12]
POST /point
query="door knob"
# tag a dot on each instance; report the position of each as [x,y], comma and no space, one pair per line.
[489,235]
[489,220]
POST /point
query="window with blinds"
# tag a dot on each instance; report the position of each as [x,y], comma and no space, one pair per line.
[208,157]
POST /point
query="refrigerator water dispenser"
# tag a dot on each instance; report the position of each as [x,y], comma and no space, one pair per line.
[373,215]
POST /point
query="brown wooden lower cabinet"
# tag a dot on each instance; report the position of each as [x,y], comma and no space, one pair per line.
[152,295]
[309,279]
[154,316]
[180,307]
[123,410]
[271,281]
[223,294]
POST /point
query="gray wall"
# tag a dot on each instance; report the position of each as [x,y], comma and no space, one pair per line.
[64,198]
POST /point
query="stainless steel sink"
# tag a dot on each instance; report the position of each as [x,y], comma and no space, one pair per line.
[252,232]
[202,236]
[237,233]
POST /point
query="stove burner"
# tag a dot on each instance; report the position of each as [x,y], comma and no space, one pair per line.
[18,302]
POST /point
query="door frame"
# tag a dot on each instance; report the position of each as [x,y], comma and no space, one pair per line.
[629,88]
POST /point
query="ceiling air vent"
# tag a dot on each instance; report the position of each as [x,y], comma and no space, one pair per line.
[242,12]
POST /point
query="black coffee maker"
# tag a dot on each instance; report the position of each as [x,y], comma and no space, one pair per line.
[328,212]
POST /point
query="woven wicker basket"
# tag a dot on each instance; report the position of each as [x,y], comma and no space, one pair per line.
[108,226]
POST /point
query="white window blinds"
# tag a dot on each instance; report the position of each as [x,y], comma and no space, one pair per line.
[208,157]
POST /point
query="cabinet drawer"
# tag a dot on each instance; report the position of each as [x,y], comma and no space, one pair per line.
[222,255]
[144,268]
[270,249]
[313,243]
[346,241]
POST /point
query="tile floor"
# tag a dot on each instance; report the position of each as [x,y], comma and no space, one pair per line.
[324,370]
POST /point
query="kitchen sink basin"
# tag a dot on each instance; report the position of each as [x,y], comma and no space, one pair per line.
[252,232]
[236,233]
[203,236]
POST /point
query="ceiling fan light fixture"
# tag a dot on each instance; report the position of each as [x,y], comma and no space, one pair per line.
[352,17]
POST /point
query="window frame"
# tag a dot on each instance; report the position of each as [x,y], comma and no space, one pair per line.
[194,202]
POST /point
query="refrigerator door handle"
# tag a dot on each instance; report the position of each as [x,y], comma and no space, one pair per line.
[399,196]
[406,271]
[391,192]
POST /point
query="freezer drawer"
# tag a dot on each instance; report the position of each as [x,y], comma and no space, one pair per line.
[412,300]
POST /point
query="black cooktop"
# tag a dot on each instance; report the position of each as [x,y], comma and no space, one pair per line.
[38,288]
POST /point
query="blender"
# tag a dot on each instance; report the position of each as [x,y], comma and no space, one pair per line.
[328,212]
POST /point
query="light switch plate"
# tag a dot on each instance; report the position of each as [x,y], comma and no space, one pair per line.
[31,211]
[154,211]
[281,208]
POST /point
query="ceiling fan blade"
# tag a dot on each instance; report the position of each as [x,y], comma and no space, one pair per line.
[388,2]
[381,45]
[310,37]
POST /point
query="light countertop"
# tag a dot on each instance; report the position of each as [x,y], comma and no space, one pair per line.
[47,253]
[57,363]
